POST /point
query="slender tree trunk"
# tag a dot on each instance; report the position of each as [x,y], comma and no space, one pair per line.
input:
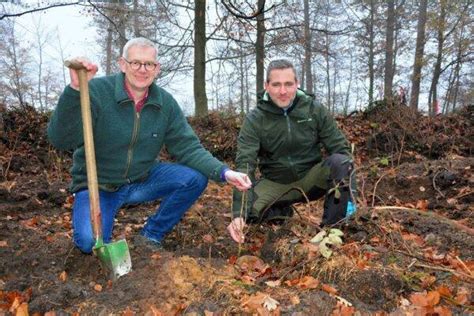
[388,74]
[242,74]
[136,21]
[307,49]
[371,53]
[433,94]
[200,97]
[418,63]
[247,91]
[328,73]
[108,51]
[260,47]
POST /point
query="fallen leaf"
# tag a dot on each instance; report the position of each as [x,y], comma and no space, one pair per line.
[128,312]
[273,283]
[3,243]
[444,291]
[306,282]
[294,299]
[432,298]
[22,310]
[418,299]
[328,289]
[63,276]
[270,303]
[98,288]
[422,205]
[232,259]
[462,296]
[208,238]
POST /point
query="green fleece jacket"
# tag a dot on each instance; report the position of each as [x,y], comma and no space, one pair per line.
[127,143]
[286,144]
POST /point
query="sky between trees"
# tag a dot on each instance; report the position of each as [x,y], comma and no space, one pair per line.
[350,54]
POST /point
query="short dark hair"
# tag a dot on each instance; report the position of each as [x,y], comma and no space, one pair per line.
[280,64]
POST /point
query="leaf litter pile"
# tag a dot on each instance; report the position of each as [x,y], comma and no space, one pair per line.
[408,251]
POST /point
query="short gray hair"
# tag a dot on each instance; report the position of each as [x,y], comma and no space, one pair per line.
[280,64]
[141,42]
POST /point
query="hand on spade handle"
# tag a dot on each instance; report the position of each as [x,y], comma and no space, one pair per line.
[80,63]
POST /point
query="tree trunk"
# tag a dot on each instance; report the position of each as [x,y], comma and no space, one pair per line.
[418,63]
[260,47]
[307,49]
[200,97]
[433,94]
[328,72]
[371,53]
[242,74]
[108,52]
[388,74]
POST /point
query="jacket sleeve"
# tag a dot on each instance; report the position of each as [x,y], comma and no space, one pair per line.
[329,134]
[65,126]
[184,145]
[248,146]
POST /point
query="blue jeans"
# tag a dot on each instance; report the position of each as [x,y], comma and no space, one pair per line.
[178,186]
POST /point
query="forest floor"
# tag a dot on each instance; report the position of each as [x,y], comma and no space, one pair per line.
[408,251]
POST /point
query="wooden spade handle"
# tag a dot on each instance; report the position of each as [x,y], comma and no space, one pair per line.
[92,183]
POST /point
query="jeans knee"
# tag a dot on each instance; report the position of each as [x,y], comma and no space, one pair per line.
[200,181]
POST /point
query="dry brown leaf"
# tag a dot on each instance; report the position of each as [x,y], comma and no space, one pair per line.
[22,310]
[462,296]
[328,289]
[433,298]
[294,299]
[98,287]
[443,290]
[422,205]
[427,281]
[63,276]
[418,299]
[413,237]
[442,311]
[273,283]
[154,311]
[128,312]
[306,282]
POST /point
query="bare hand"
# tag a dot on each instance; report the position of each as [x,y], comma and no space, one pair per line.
[236,229]
[91,71]
[239,180]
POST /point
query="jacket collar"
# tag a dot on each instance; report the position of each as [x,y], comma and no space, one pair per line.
[266,104]
[154,96]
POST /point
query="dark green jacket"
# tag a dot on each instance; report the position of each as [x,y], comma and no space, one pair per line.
[127,143]
[285,145]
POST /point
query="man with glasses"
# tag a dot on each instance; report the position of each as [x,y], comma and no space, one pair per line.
[282,137]
[133,119]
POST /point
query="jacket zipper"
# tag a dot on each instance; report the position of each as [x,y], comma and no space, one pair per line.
[136,127]
[290,139]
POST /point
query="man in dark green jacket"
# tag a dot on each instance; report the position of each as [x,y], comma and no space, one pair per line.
[282,137]
[132,120]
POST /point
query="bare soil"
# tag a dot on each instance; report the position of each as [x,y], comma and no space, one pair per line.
[413,234]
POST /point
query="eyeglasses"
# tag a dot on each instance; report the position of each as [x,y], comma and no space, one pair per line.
[136,65]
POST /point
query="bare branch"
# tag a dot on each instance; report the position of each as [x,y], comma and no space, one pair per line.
[10,15]
[239,14]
